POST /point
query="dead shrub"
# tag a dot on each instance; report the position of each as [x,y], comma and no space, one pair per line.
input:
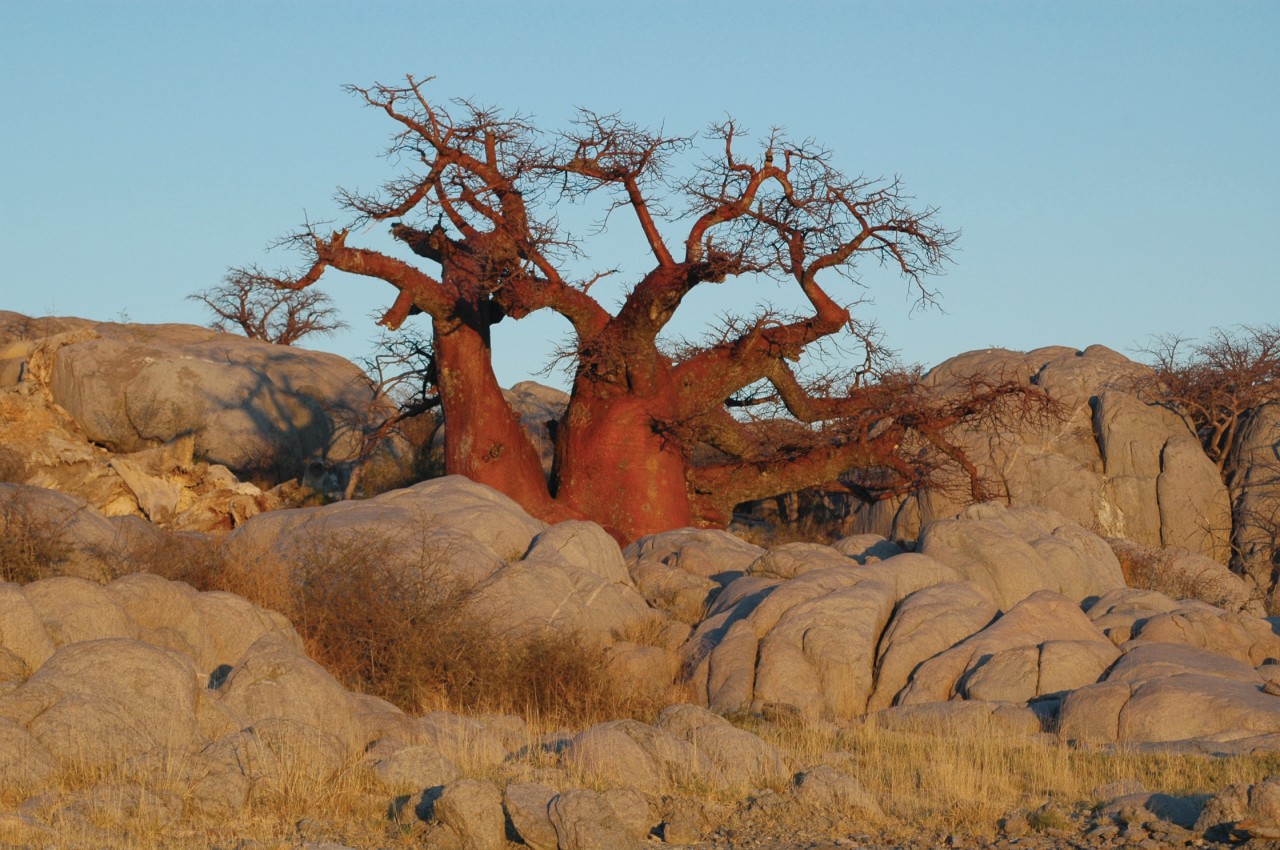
[191,557]
[32,546]
[1156,569]
[13,467]
[401,629]
[394,631]
[385,615]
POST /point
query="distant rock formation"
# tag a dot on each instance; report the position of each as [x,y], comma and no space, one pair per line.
[1112,464]
[158,420]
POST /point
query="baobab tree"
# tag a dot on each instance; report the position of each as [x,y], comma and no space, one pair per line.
[478,200]
[1216,385]
[248,300]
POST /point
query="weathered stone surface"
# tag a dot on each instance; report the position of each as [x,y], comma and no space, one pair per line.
[806,644]
[631,754]
[1182,574]
[1256,454]
[586,820]
[248,403]
[274,680]
[1240,636]
[24,761]
[1243,812]
[528,806]
[407,769]
[744,759]
[712,554]
[233,624]
[1118,612]
[583,545]
[534,596]
[165,484]
[1194,510]
[446,529]
[1171,692]
[165,614]
[22,631]
[1145,661]
[472,810]
[924,624]
[827,789]
[792,559]
[75,609]
[1102,466]
[867,548]
[105,702]
[1014,552]
[1017,644]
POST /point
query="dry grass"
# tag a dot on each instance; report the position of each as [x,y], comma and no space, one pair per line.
[404,632]
[965,783]
[927,785]
[385,615]
[32,546]
[1154,569]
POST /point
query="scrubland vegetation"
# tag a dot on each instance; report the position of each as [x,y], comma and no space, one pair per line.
[405,635]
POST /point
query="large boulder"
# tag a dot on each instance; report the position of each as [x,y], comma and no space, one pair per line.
[467,528]
[1256,456]
[1171,692]
[814,644]
[1111,463]
[43,446]
[102,703]
[250,405]
[275,681]
[1014,552]
[926,623]
[635,755]
[536,596]
[1044,645]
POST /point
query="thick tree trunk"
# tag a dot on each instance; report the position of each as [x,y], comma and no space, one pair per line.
[484,439]
[615,464]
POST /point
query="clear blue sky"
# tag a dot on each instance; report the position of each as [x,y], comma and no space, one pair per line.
[1113,167]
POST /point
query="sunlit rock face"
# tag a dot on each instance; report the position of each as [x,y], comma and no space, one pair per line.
[1111,463]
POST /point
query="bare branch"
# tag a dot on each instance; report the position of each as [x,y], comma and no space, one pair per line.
[259,306]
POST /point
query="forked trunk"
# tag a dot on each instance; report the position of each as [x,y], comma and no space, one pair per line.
[484,439]
[615,464]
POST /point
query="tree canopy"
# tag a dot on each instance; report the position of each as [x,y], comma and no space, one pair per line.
[656,435]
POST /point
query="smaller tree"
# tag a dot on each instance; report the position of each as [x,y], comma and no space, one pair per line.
[1215,384]
[401,374]
[249,300]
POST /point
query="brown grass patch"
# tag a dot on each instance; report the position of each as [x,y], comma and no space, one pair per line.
[398,626]
[32,546]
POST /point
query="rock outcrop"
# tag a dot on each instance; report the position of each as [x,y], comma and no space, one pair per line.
[249,405]
[1112,464]
[158,420]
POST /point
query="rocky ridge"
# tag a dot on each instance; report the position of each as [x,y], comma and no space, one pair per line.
[142,671]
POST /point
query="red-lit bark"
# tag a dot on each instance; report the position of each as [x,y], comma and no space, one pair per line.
[651,441]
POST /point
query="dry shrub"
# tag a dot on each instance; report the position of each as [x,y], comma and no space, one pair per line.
[386,616]
[1157,569]
[32,546]
[13,467]
[400,628]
